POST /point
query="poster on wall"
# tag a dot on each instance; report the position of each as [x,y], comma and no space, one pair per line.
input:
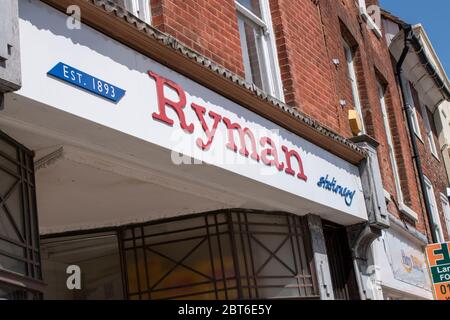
[407,260]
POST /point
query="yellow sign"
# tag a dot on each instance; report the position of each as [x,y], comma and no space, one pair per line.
[438,257]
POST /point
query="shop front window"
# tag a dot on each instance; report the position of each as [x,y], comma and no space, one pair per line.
[95,256]
[211,256]
[228,255]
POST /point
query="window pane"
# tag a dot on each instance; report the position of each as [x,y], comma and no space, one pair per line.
[8,292]
[446,209]
[14,265]
[427,119]
[253,5]
[434,210]
[139,8]
[99,262]
[251,49]
[8,148]
[200,258]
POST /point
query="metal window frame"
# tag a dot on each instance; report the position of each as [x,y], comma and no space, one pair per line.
[236,227]
[32,278]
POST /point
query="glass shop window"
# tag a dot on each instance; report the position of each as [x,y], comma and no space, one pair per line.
[98,259]
[219,256]
[19,237]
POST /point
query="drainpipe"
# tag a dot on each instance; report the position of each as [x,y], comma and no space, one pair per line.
[407,29]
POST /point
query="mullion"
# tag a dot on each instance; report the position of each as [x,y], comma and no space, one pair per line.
[303,263]
[123,263]
[171,232]
[294,255]
[251,255]
[136,262]
[234,254]
[25,211]
[146,263]
[238,214]
[211,258]
[272,255]
[27,201]
[221,257]
[308,253]
[298,253]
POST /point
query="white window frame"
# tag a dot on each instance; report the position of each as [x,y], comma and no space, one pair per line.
[269,56]
[413,108]
[402,206]
[140,8]
[446,209]
[429,132]
[434,210]
[370,22]
[349,57]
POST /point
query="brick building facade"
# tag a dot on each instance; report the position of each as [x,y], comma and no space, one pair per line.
[321,71]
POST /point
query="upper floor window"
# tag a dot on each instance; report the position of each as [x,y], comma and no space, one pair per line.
[382,91]
[139,8]
[429,131]
[413,108]
[434,210]
[390,140]
[372,15]
[258,46]
[446,208]
[350,58]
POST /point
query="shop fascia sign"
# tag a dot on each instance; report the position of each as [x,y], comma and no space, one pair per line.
[260,149]
[240,139]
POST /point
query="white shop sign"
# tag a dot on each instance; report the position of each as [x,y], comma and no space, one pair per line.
[168,109]
[407,260]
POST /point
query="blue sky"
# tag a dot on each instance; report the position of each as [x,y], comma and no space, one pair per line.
[434,15]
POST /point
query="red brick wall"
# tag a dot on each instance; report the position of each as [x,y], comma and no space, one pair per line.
[207,26]
[306,68]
